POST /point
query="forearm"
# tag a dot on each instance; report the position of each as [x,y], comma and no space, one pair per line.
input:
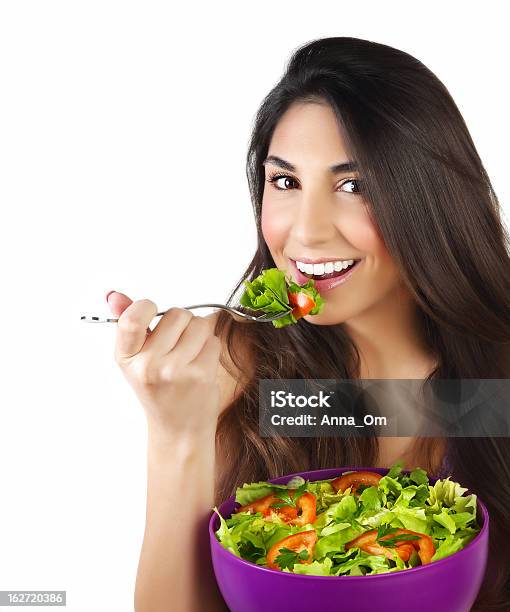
[175,570]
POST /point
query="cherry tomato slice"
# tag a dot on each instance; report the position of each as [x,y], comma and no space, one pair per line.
[365,538]
[306,503]
[368,542]
[404,550]
[302,303]
[354,479]
[387,551]
[424,546]
[259,505]
[305,540]
[308,506]
[286,513]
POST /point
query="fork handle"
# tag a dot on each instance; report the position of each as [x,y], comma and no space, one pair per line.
[160,314]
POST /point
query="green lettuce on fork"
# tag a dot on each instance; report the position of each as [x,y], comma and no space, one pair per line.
[274,293]
[357,524]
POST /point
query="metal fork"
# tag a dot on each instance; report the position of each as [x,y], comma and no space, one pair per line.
[234,312]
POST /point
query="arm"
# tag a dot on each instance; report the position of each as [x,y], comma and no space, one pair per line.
[173,370]
[175,569]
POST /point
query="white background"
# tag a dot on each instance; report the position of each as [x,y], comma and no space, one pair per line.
[123,133]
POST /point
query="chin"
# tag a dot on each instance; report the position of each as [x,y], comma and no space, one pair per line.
[322,320]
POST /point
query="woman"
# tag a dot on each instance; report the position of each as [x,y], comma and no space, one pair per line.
[359,152]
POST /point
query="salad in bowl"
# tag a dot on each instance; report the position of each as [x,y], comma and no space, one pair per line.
[349,533]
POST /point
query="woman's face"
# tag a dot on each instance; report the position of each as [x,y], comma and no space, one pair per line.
[317,214]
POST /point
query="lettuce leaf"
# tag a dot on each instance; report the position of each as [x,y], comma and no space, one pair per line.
[372,499]
[363,564]
[315,568]
[255,490]
[324,493]
[335,542]
[445,492]
[343,509]
[446,520]
[269,292]
[224,535]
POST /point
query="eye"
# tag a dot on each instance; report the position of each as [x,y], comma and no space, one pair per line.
[357,182]
[274,178]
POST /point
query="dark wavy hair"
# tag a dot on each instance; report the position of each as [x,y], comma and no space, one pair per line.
[431,198]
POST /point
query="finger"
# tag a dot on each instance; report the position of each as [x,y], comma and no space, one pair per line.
[208,355]
[168,331]
[192,340]
[118,302]
[132,328]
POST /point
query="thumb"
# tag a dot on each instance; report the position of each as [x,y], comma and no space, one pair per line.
[118,302]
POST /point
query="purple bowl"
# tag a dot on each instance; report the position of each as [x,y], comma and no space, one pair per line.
[448,585]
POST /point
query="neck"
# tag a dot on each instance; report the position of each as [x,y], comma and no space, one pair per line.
[389,340]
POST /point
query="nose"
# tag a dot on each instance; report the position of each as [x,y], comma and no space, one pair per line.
[313,222]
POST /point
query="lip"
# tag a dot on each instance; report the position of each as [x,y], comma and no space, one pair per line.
[327,284]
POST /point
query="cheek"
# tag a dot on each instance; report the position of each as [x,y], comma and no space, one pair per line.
[274,226]
[370,241]
[359,230]
[376,246]
[364,235]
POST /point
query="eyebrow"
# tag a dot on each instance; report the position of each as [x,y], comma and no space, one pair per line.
[348,166]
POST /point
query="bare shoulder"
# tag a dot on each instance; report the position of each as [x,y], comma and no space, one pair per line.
[231,376]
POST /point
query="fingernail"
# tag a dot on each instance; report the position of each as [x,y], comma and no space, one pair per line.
[108,294]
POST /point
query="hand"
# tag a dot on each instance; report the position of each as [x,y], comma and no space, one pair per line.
[172,369]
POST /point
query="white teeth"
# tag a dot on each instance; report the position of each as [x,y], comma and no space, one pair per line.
[325,267]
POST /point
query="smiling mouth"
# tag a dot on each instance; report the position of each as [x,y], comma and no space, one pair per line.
[334,274]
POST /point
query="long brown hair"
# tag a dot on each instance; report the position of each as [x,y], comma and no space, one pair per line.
[431,198]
